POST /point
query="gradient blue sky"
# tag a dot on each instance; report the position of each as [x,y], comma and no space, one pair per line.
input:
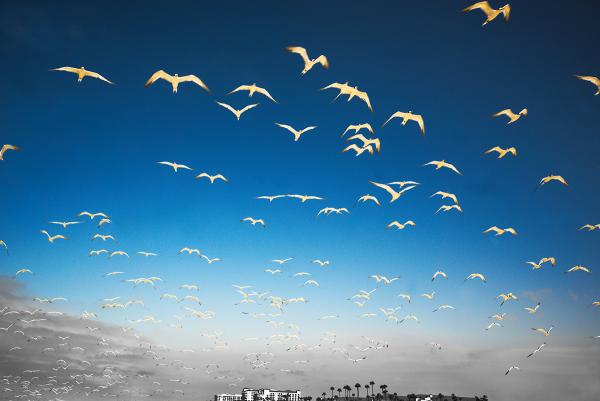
[92,146]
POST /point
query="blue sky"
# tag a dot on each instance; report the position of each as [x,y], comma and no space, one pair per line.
[92,146]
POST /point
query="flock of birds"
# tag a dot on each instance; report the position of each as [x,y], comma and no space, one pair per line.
[83,376]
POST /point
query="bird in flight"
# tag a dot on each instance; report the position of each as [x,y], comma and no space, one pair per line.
[254,221]
[442,163]
[147,254]
[82,73]
[22,271]
[442,307]
[592,80]
[406,117]
[502,152]
[358,127]
[3,244]
[359,150]
[445,195]
[212,178]
[368,197]
[308,62]
[401,226]
[538,265]
[535,351]
[273,272]
[175,166]
[51,239]
[500,231]
[510,369]
[512,117]
[578,268]
[506,297]
[270,198]
[103,237]
[590,227]
[252,89]
[175,80]
[490,13]
[65,224]
[387,281]
[439,273]
[328,210]
[447,208]
[297,133]
[345,89]
[304,198]
[6,148]
[190,251]
[549,178]
[492,325]
[476,275]
[542,330]
[534,309]
[395,194]
[92,216]
[366,141]
[237,113]
[281,261]
[321,263]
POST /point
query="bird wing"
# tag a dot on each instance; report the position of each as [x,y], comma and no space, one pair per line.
[506,112]
[419,120]
[365,98]
[494,149]
[588,78]
[228,107]
[98,76]
[287,127]
[483,5]
[250,106]
[360,137]
[67,69]
[396,114]
[387,188]
[266,93]
[323,61]
[301,51]
[194,79]
[160,74]
[506,12]
[352,147]
[337,85]
[451,167]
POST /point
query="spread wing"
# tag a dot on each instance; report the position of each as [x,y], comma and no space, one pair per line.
[506,12]
[337,85]
[98,76]
[588,78]
[365,98]
[266,93]
[194,79]
[160,74]
[287,127]
[494,149]
[228,107]
[353,147]
[67,69]
[419,120]
[396,115]
[482,5]
[301,51]
[360,137]
[322,60]
[240,88]
[250,106]
[505,112]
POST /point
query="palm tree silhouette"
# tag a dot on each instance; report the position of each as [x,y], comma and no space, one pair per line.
[367,389]
[339,390]
[358,386]
[372,383]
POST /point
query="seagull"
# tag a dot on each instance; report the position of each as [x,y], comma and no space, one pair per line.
[395,194]
[103,237]
[367,197]
[511,368]
[401,226]
[359,151]
[502,152]
[212,178]
[442,307]
[406,117]
[445,195]
[254,221]
[6,148]
[237,113]
[592,80]
[447,208]
[308,62]
[329,210]
[498,317]
[21,271]
[345,89]
[273,272]
[175,80]
[146,254]
[405,296]
[500,231]
[492,325]
[378,278]
[545,332]
[304,198]
[506,297]
[64,224]
[536,266]
[428,296]
[313,282]
[358,127]
[511,116]
[476,275]
[442,163]
[578,268]
[409,317]
[103,222]
[3,244]
[92,216]
[535,351]
[189,251]
[490,13]
[175,166]
[118,253]
[549,178]
[270,198]
[321,262]
[439,273]
[534,309]
[297,133]
[51,239]
[590,227]
[281,261]
[82,73]
[366,141]
[209,260]
[252,89]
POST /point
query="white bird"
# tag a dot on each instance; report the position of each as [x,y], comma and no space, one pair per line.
[94,252]
[271,198]
[535,351]
[534,309]
[311,282]
[103,222]
[512,117]
[209,260]
[147,254]
[492,325]
[591,79]
[406,117]
[254,221]
[273,272]
[212,178]
[118,253]
[92,216]
[368,197]
[5,148]
[103,237]
[175,80]
[442,307]
[542,330]
[405,296]
[442,163]
[308,62]
[428,296]
[500,231]
[378,278]
[176,166]
[395,194]
[445,195]
[65,224]
[237,113]
[439,273]
[511,368]
[281,261]
[82,73]
[447,208]
[321,263]
[297,133]
[578,268]
[53,238]
[401,226]
[358,127]
[252,89]
[409,317]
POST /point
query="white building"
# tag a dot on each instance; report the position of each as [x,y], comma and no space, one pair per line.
[265,394]
[228,397]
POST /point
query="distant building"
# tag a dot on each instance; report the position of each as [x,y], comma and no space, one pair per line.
[228,397]
[265,394]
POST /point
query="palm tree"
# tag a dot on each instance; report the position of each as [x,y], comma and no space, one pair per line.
[324,394]
[383,388]
[358,386]
[339,390]
[367,389]
[372,383]
[332,388]
[348,390]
